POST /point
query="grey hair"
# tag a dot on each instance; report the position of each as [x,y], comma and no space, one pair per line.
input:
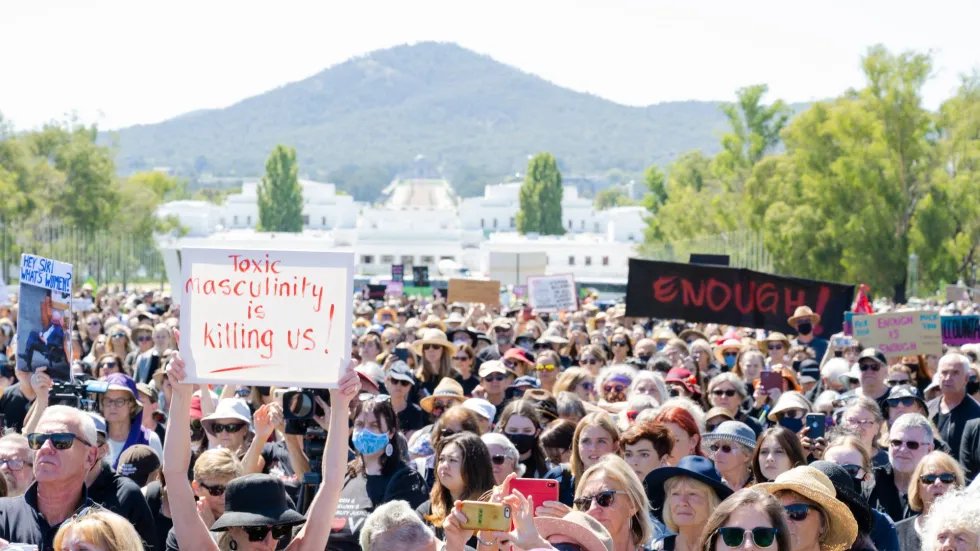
[82,420]
[622,370]
[730,378]
[954,358]
[658,381]
[394,525]
[956,511]
[914,421]
[501,440]
[18,439]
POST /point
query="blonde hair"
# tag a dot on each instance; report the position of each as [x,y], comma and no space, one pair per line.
[218,463]
[616,469]
[102,528]
[710,496]
[599,419]
[569,379]
[938,459]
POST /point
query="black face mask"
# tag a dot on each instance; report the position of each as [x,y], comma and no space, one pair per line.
[523,442]
[644,359]
[795,425]
[972,386]
[804,328]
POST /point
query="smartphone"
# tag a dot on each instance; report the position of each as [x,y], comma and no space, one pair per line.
[486,516]
[770,379]
[401,354]
[816,423]
[840,342]
[539,489]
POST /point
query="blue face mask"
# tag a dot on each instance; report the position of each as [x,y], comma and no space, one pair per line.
[369,443]
[730,361]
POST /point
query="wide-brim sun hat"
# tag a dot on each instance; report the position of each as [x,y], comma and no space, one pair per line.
[433,336]
[775,336]
[229,408]
[732,431]
[802,313]
[815,486]
[586,531]
[447,388]
[789,400]
[695,467]
[683,335]
[256,500]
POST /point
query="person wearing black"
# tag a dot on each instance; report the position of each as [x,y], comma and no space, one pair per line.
[377,475]
[16,401]
[400,384]
[910,439]
[64,446]
[805,320]
[874,371]
[116,493]
[954,408]
[502,331]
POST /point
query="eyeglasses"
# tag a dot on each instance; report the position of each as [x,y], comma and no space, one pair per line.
[797,512]
[895,402]
[762,536]
[545,367]
[116,402]
[855,471]
[614,388]
[498,459]
[60,440]
[14,464]
[446,433]
[945,478]
[144,338]
[896,382]
[495,378]
[215,491]
[868,365]
[910,444]
[431,346]
[258,533]
[603,499]
[708,427]
[674,392]
[463,358]
[589,361]
[230,428]
[724,448]
[718,392]
[620,343]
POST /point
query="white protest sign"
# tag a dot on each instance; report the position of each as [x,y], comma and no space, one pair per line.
[552,293]
[266,318]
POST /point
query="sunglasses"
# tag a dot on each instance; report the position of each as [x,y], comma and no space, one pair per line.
[729,393]
[855,471]
[724,448]
[895,402]
[258,533]
[708,427]
[589,361]
[108,365]
[614,388]
[545,367]
[945,478]
[215,491]
[872,366]
[431,346]
[144,338]
[674,392]
[446,433]
[462,358]
[60,440]
[498,459]
[619,343]
[733,536]
[587,386]
[896,382]
[399,382]
[495,378]
[118,335]
[603,499]
[441,405]
[775,347]
[797,512]
[793,414]
[910,444]
[230,428]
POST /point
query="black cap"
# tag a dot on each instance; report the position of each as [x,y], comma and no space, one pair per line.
[873,354]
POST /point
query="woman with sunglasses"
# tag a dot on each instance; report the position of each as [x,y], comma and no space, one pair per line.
[610,492]
[255,515]
[726,390]
[578,381]
[230,426]
[143,338]
[547,366]
[614,383]
[592,358]
[92,330]
[117,340]
[749,519]
[818,521]
[106,365]
[730,446]
[465,375]
[934,476]
[504,457]
[461,475]
[436,353]
[521,424]
[622,346]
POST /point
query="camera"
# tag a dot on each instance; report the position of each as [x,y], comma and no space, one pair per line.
[301,404]
[77,393]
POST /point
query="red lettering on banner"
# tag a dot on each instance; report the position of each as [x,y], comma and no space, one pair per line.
[767,298]
[791,305]
[745,308]
[713,285]
[823,297]
[664,289]
[689,297]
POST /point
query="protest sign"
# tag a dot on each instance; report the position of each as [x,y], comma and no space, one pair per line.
[420,276]
[474,290]
[956,293]
[552,293]
[279,318]
[44,316]
[398,272]
[374,292]
[733,296]
[897,334]
[960,330]
[395,289]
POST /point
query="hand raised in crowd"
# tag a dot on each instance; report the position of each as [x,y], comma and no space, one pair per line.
[456,535]
[323,420]
[347,389]
[813,446]
[524,535]
[176,373]
[267,419]
[41,383]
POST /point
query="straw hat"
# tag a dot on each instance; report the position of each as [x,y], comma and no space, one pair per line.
[817,487]
[587,532]
[728,344]
[789,400]
[433,321]
[433,336]
[447,388]
[802,313]
[687,333]
[775,336]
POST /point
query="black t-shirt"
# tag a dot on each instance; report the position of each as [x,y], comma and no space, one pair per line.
[163,523]
[122,496]
[467,384]
[14,406]
[360,496]
[411,418]
[22,522]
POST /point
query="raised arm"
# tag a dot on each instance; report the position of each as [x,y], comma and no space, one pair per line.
[313,536]
[190,529]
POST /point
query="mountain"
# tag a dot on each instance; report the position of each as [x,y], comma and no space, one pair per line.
[474,119]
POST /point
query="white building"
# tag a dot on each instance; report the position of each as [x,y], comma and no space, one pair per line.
[420,222]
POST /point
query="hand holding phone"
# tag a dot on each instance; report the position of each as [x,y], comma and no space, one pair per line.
[486,516]
[816,424]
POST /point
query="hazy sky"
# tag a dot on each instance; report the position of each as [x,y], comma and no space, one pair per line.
[119,63]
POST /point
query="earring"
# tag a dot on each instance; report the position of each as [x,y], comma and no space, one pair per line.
[389,449]
[233,545]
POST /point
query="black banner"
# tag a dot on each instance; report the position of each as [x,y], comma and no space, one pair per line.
[420,276]
[733,296]
[398,272]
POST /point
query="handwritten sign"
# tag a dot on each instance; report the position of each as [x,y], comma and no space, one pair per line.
[552,293]
[900,333]
[44,316]
[474,290]
[278,318]
[960,330]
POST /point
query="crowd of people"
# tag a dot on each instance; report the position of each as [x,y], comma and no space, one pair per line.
[640,434]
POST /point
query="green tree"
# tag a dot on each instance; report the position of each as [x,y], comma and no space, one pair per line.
[280,195]
[754,131]
[612,197]
[540,197]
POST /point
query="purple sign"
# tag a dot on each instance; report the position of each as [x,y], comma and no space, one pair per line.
[959,330]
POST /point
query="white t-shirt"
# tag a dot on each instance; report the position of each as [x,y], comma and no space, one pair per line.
[116,447]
